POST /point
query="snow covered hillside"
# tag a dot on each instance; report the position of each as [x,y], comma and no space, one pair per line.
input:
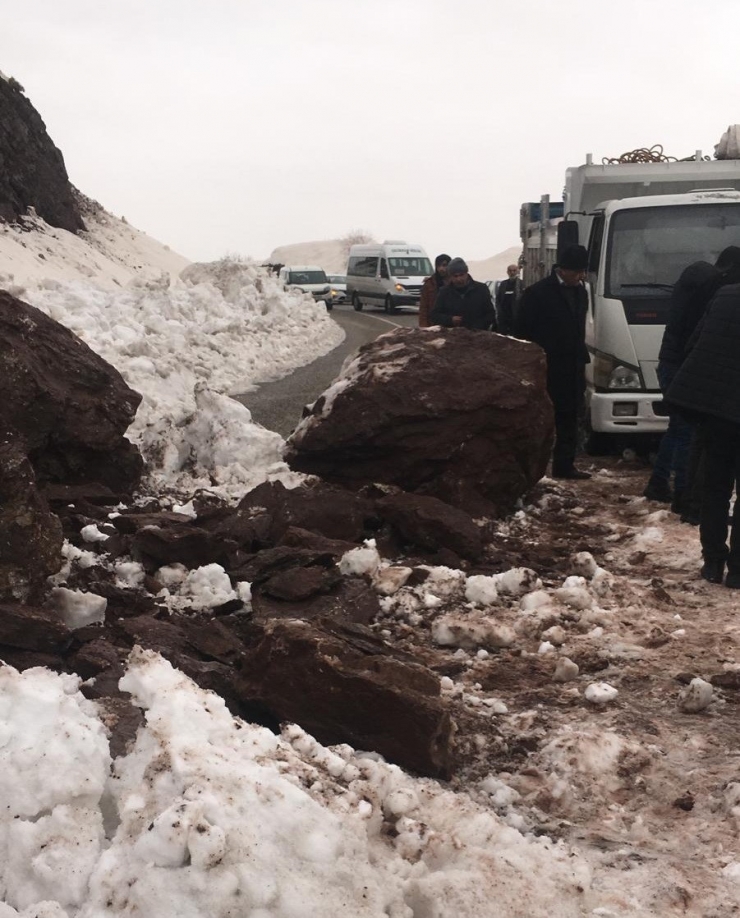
[110,253]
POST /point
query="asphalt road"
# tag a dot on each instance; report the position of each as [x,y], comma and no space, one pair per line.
[278,405]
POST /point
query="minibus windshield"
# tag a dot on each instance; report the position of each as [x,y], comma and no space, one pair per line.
[410,267]
[649,247]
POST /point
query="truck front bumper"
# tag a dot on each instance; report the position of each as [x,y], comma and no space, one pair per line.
[627,412]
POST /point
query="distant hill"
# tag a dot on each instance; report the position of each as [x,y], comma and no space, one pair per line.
[331,255]
[494,268]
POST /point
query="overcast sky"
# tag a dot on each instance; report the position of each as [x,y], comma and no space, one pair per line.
[235,126]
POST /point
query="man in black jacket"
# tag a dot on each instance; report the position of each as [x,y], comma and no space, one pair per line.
[463,302]
[552,313]
[707,387]
[507,295]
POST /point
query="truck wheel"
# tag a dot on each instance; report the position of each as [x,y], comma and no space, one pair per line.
[329,305]
[388,306]
[356,302]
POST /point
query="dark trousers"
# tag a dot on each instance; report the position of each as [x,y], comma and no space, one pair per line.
[721,473]
[566,440]
[673,452]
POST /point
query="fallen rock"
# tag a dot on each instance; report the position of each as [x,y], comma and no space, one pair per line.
[30,535]
[429,523]
[343,686]
[26,627]
[456,414]
[70,406]
[322,508]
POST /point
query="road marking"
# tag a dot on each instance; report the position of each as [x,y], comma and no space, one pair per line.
[389,322]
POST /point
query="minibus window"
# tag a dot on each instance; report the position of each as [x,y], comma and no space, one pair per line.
[410,267]
[384,268]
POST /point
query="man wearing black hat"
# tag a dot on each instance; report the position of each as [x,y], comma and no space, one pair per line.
[552,313]
[431,287]
[463,302]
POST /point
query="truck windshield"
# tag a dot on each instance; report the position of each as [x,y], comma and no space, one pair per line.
[650,246]
[308,277]
[410,267]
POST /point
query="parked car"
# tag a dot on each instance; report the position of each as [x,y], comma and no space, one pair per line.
[310,279]
[338,284]
[388,275]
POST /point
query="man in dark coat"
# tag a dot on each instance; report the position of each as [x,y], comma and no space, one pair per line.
[463,302]
[507,295]
[681,446]
[552,313]
[693,290]
[707,387]
[431,287]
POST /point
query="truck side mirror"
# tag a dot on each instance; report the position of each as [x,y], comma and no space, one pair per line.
[567,235]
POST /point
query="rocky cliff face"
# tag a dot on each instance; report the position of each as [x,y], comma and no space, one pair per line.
[32,171]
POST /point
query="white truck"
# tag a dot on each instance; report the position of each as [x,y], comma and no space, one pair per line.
[642,223]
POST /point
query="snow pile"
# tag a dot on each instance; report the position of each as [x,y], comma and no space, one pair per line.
[209,815]
[185,347]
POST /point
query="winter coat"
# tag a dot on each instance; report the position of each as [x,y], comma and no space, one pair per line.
[508,293]
[707,384]
[546,316]
[693,290]
[429,290]
[473,302]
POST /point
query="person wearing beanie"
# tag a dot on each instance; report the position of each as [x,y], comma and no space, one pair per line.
[552,313]
[463,302]
[431,287]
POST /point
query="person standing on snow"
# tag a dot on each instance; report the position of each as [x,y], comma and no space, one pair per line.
[707,387]
[680,446]
[552,313]
[463,302]
[431,287]
[507,296]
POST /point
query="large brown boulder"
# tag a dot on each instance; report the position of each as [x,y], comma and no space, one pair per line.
[32,172]
[71,407]
[460,415]
[30,535]
[342,685]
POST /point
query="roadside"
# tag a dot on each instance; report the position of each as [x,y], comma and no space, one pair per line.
[278,405]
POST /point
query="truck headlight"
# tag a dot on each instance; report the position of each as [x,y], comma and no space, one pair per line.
[622,377]
[611,373]
[400,287]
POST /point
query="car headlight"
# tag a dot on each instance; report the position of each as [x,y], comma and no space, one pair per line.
[400,287]
[611,373]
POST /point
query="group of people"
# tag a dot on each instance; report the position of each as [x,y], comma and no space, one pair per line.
[698,372]
[551,312]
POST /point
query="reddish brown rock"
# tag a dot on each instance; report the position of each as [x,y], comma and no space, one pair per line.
[429,523]
[343,686]
[30,535]
[70,406]
[460,415]
[31,628]
[317,506]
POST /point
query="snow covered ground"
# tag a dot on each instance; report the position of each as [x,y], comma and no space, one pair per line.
[599,774]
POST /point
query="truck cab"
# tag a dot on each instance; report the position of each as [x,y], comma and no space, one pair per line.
[638,248]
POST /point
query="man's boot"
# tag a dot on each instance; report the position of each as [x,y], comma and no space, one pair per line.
[659,490]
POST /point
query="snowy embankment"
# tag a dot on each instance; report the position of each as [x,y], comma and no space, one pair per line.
[185,344]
